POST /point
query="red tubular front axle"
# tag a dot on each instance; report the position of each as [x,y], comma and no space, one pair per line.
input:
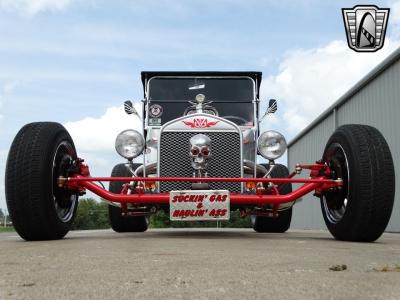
[319,184]
[163,198]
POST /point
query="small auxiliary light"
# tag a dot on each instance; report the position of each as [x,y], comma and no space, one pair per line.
[150,185]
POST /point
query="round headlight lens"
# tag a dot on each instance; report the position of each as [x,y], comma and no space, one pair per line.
[271,144]
[129,143]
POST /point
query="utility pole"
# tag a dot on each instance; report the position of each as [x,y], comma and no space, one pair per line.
[5,218]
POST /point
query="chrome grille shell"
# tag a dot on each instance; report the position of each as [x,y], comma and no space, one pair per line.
[174,148]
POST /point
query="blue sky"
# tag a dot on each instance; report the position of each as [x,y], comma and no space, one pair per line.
[76,61]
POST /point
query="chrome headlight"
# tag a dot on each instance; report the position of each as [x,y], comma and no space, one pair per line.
[271,144]
[129,143]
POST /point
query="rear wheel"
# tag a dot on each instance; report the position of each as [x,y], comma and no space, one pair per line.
[361,210]
[117,221]
[282,222]
[40,209]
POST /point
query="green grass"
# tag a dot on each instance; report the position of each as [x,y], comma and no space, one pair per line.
[6,229]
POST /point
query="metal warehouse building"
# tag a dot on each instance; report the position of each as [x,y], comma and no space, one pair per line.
[375,101]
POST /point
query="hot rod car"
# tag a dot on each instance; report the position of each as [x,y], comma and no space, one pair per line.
[195,157]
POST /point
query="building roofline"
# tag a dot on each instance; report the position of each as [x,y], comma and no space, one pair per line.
[375,72]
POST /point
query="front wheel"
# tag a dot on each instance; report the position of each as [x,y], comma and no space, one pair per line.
[117,221]
[360,211]
[40,209]
[281,223]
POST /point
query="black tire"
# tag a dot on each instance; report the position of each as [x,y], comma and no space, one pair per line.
[39,209]
[282,222]
[361,210]
[117,221]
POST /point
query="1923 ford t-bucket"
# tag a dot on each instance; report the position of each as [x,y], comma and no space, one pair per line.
[196,159]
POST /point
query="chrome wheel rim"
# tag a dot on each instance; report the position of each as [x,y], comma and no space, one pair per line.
[64,201]
[336,202]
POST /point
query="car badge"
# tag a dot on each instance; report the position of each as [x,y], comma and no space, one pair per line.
[155,111]
[200,123]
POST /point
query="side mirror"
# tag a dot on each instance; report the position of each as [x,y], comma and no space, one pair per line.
[130,109]
[272,106]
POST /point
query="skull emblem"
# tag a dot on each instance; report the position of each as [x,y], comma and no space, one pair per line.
[200,151]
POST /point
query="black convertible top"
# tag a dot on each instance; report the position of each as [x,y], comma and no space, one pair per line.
[256,76]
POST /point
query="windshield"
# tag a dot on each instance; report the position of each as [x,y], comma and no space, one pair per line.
[232,97]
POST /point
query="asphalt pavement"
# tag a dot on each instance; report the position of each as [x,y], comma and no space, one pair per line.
[199,264]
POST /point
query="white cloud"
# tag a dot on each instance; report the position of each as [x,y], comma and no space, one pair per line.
[94,138]
[394,18]
[395,11]
[97,135]
[309,81]
[32,7]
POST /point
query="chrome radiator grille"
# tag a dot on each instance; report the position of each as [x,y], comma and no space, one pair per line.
[175,160]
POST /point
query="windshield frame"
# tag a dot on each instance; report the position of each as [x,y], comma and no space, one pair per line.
[254,101]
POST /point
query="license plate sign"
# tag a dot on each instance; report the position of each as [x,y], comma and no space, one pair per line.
[199,205]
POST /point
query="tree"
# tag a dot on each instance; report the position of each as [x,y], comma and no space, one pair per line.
[91,215]
[161,220]
[1,215]
[236,221]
